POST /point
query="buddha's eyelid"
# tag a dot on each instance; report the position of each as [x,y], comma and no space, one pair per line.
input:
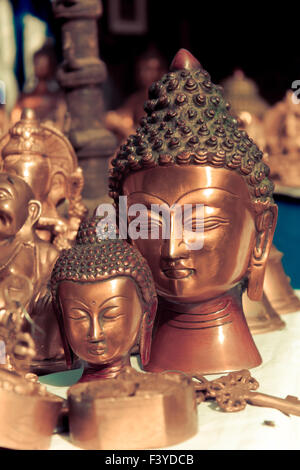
[158,216]
[113,298]
[110,312]
[79,314]
[209,217]
[216,218]
[109,307]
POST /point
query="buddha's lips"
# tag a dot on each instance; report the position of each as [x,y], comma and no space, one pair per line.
[96,349]
[178,273]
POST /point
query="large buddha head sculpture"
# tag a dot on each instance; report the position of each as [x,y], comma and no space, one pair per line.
[105,300]
[189,153]
[44,158]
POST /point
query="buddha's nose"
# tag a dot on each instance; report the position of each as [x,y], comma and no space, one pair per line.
[174,246]
[96,333]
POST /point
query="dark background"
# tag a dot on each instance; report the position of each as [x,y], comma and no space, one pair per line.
[262,40]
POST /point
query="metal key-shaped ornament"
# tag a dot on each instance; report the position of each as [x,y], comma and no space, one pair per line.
[233,391]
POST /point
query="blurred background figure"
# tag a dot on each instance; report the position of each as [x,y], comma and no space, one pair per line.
[150,66]
[9,87]
[246,104]
[42,92]
[282,134]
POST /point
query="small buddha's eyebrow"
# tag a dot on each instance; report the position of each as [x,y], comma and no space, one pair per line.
[113,298]
[101,305]
[77,301]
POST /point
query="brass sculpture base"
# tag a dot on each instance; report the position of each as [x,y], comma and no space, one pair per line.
[210,337]
[261,316]
[277,285]
[27,416]
[133,411]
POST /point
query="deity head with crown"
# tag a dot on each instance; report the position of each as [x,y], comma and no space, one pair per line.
[189,150]
[104,296]
[45,159]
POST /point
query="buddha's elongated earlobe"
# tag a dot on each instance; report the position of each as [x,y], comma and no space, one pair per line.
[146,333]
[265,228]
[59,316]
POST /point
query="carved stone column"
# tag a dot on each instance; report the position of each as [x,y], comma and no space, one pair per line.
[81,75]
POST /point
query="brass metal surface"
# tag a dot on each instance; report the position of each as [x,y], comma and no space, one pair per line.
[132,411]
[45,159]
[105,300]
[189,150]
[234,391]
[261,316]
[28,413]
[277,285]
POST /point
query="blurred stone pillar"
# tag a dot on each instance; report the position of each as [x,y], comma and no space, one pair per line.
[81,75]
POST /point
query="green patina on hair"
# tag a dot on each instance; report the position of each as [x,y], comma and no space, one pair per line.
[188,122]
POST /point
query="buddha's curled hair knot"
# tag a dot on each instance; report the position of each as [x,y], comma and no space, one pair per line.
[188,122]
[95,259]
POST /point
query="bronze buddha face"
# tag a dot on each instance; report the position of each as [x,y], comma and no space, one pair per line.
[102,319]
[181,273]
[104,296]
[189,150]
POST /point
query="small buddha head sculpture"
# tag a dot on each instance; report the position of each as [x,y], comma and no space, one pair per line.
[189,150]
[104,296]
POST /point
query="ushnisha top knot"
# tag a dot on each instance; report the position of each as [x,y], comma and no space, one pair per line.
[95,259]
[188,122]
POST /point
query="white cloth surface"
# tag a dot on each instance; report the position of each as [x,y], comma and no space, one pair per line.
[278,375]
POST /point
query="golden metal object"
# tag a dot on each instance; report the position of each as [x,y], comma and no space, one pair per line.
[281,128]
[28,413]
[261,316]
[243,95]
[247,105]
[45,159]
[132,411]
[189,150]
[234,391]
[22,251]
[105,301]
[277,285]
[16,291]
